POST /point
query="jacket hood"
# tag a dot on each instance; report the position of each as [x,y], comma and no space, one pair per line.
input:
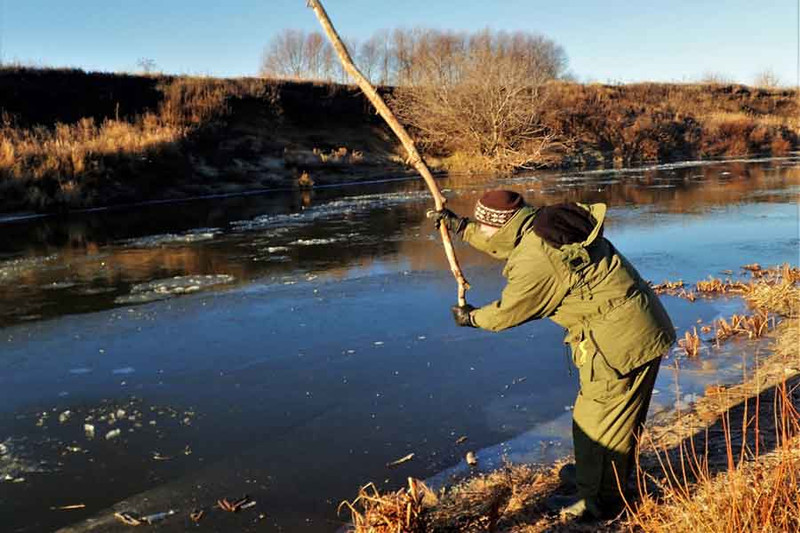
[501,244]
[598,212]
[575,255]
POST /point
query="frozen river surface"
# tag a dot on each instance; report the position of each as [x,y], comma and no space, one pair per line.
[289,346]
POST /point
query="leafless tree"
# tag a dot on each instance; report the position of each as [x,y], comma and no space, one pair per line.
[313,51]
[767,79]
[386,61]
[296,54]
[369,59]
[715,78]
[341,73]
[285,56]
[403,52]
[480,93]
[146,65]
[329,64]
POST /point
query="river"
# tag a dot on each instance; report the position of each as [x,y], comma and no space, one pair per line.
[289,345]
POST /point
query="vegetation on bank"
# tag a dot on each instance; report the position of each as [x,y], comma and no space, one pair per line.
[71,139]
[731,463]
[135,138]
[499,101]
[570,124]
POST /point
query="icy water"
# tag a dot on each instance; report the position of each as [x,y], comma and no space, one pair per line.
[288,346]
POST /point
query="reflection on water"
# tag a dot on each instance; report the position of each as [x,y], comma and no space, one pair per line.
[91,261]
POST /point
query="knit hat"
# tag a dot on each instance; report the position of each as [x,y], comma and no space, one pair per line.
[495,208]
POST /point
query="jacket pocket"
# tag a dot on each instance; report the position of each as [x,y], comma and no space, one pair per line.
[599,381]
[625,335]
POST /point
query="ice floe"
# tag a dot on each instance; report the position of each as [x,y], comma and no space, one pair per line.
[167,288]
[314,242]
[16,461]
[195,235]
[14,268]
[344,206]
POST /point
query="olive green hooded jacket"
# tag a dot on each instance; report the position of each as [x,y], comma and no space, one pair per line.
[589,288]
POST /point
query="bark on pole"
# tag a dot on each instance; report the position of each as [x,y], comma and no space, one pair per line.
[413,155]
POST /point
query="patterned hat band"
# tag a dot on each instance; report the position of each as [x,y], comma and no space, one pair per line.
[495,208]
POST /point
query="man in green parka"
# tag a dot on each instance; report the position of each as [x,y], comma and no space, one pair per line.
[559,266]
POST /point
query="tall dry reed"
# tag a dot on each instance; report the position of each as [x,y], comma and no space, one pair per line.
[754,485]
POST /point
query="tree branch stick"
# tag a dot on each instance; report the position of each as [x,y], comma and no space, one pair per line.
[413,155]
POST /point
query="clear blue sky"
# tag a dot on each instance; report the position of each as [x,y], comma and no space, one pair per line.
[612,40]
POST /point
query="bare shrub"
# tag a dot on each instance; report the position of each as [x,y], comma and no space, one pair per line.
[478,94]
[715,78]
[767,79]
[375,58]
[146,65]
[285,56]
[300,55]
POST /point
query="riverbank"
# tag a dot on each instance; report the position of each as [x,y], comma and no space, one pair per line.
[727,463]
[71,139]
[104,139]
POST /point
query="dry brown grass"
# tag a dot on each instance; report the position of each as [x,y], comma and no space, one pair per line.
[690,343]
[754,490]
[44,163]
[675,288]
[339,156]
[57,163]
[508,499]
[772,293]
[718,286]
[68,150]
[667,287]
[754,326]
[759,496]
[393,512]
[655,122]
[776,290]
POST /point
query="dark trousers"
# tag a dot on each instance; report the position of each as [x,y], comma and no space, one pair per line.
[608,416]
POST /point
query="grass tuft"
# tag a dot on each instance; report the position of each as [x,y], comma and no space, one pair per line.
[399,511]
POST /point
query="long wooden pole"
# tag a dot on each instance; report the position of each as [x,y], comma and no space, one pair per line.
[413,155]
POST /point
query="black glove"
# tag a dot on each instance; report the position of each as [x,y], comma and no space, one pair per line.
[461,315]
[453,222]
